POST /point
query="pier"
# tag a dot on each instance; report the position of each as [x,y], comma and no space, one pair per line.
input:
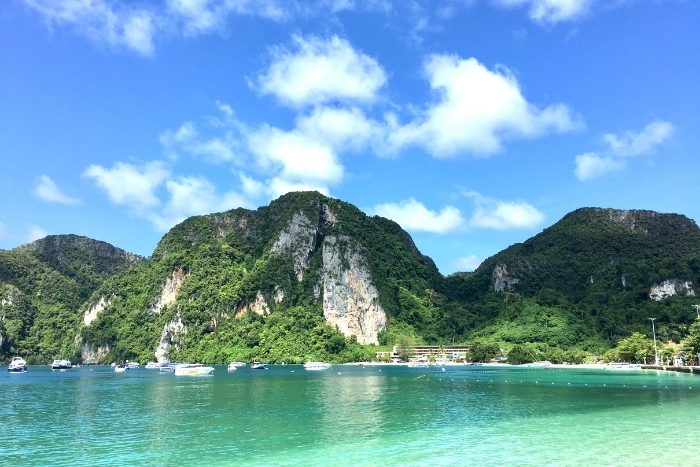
[680,369]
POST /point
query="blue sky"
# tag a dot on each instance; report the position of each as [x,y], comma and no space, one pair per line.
[475,124]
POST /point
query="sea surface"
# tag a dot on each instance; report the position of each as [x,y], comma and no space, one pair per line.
[350,415]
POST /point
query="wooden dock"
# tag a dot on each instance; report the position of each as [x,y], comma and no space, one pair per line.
[680,369]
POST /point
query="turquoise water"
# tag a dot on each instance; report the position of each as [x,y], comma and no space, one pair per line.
[351,415]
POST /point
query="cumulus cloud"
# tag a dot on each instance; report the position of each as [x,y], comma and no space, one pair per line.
[620,147]
[35,233]
[320,71]
[591,165]
[632,144]
[414,216]
[492,213]
[47,190]
[468,263]
[477,109]
[552,11]
[104,21]
[151,191]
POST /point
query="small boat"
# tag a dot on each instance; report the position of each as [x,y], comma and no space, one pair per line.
[623,366]
[153,365]
[193,369]
[131,365]
[170,367]
[541,364]
[418,365]
[121,368]
[61,364]
[317,366]
[258,366]
[17,365]
[233,366]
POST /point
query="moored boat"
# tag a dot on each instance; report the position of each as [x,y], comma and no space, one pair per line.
[258,366]
[121,368]
[17,365]
[193,369]
[623,366]
[131,365]
[153,365]
[233,366]
[541,364]
[317,366]
[418,365]
[61,364]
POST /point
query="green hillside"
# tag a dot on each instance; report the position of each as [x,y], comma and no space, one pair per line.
[43,284]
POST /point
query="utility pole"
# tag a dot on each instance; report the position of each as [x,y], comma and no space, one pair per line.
[653,330]
[697,309]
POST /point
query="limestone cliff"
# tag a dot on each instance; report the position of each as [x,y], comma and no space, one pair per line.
[350,300]
[671,287]
[172,335]
[169,292]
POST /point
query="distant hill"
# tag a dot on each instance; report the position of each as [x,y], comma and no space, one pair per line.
[220,287]
[43,284]
[310,277]
[608,266]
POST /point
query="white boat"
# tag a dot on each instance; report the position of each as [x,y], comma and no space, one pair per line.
[623,366]
[317,366]
[233,366]
[153,365]
[418,365]
[121,368]
[193,369]
[258,366]
[17,365]
[131,365]
[542,364]
[61,364]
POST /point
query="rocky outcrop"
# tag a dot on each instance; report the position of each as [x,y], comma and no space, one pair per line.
[501,280]
[169,292]
[91,355]
[297,239]
[259,306]
[671,287]
[91,313]
[173,334]
[350,300]
[300,238]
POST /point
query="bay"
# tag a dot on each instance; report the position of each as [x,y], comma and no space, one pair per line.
[350,415]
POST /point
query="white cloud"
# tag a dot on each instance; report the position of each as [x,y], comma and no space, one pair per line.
[152,192]
[130,185]
[477,110]
[591,165]
[339,128]
[320,71]
[552,11]
[299,162]
[47,190]
[498,214]
[114,23]
[414,216]
[635,144]
[468,263]
[35,233]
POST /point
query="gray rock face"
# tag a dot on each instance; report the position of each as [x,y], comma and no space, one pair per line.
[501,280]
[91,313]
[350,300]
[297,239]
[169,292]
[173,334]
[671,287]
[91,355]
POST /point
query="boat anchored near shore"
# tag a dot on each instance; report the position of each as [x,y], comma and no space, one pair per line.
[61,364]
[317,366]
[193,369]
[17,365]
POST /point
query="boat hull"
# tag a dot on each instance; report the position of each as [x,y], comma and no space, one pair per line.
[194,371]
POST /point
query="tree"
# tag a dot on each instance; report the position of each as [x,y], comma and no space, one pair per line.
[632,349]
[405,347]
[692,342]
